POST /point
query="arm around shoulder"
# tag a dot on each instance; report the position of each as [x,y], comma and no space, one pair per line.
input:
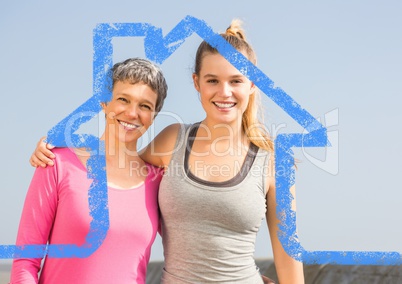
[161,148]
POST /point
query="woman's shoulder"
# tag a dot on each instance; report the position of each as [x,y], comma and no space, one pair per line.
[62,153]
[69,156]
[166,139]
[259,151]
[173,129]
[64,160]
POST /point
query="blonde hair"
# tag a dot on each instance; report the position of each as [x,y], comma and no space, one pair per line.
[252,120]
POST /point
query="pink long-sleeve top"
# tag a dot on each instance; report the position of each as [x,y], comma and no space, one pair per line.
[56,211]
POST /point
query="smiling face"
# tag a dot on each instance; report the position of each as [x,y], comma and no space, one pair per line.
[224,91]
[130,112]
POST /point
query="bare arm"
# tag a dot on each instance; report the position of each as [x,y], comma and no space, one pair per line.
[160,150]
[157,153]
[267,280]
[288,269]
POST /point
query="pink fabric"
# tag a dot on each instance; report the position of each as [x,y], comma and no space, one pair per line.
[56,211]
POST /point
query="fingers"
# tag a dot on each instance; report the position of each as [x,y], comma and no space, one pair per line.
[267,280]
[36,162]
[42,156]
[47,145]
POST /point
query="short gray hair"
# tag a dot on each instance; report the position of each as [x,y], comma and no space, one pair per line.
[136,70]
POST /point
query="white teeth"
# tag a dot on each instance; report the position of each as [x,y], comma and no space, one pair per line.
[224,105]
[128,125]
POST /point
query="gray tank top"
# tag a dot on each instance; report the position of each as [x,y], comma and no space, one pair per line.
[209,228]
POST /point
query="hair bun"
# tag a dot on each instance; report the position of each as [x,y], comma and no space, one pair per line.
[235,29]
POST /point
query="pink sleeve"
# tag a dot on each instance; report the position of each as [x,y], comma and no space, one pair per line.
[36,222]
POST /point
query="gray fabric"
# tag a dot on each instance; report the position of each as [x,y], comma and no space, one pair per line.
[209,229]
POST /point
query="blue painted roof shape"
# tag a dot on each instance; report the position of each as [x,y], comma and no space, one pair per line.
[158,49]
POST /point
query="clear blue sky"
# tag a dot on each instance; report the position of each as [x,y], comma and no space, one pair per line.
[340,60]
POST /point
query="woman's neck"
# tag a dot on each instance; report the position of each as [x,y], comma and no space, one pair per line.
[222,135]
[119,154]
[125,169]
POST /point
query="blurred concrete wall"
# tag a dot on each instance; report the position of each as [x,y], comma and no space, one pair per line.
[314,274]
[317,274]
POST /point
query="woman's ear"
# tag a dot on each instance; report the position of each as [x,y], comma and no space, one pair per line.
[195,82]
[252,88]
[103,105]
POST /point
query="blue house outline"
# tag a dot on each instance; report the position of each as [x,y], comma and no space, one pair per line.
[158,49]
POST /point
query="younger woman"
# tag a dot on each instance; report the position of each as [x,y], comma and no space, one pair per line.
[220,180]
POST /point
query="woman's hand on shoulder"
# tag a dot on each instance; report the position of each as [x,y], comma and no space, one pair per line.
[42,155]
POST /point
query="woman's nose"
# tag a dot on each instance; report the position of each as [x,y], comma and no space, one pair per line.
[225,90]
[132,111]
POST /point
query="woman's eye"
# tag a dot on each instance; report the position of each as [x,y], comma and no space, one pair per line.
[122,99]
[213,81]
[146,107]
